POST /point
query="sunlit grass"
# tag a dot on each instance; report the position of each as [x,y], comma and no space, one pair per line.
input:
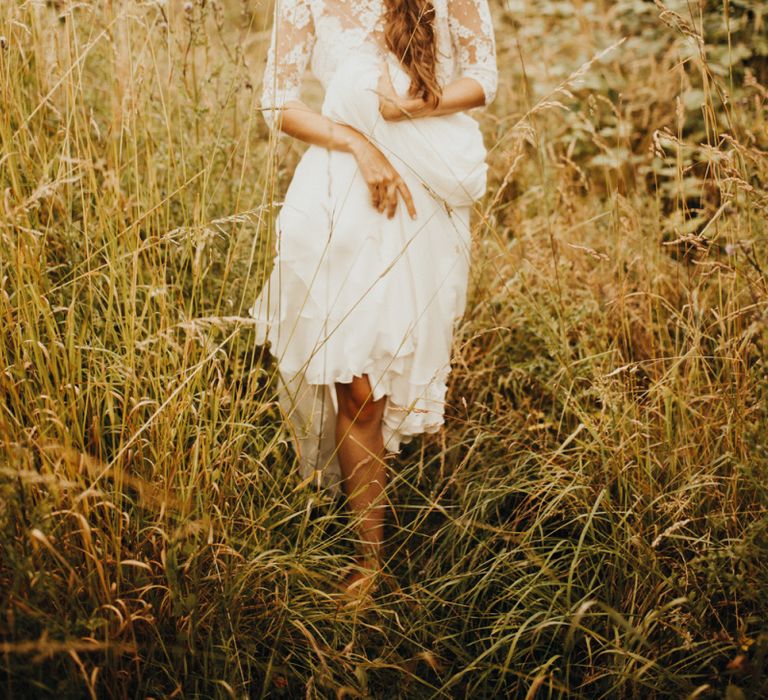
[592,521]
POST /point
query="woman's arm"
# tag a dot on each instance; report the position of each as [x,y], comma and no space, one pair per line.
[384,182]
[462,94]
[474,46]
[293,36]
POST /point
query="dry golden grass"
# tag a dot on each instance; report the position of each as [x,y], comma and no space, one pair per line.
[592,521]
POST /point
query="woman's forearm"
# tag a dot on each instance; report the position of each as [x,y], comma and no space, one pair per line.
[384,182]
[305,124]
[460,95]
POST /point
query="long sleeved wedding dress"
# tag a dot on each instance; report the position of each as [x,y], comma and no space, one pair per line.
[351,291]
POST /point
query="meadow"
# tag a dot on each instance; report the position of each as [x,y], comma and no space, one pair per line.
[592,521]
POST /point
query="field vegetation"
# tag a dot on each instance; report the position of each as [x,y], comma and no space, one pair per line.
[592,521]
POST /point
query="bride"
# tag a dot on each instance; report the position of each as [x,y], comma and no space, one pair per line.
[373,236]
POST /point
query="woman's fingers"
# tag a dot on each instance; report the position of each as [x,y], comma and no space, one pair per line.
[391,199]
[376,195]
[385,185]
[406,193]
[381,196]
[384,196]
[382,189]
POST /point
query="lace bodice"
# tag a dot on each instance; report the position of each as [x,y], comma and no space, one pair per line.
[327,31]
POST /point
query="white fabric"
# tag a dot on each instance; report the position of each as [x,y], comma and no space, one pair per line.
[353,292]
[327,31]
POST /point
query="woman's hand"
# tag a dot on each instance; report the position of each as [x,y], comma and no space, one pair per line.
[383,180]
[393,107]
[462,94]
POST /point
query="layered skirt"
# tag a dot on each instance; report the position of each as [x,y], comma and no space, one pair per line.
[354,293]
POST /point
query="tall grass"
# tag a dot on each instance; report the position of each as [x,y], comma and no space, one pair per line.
[592,521]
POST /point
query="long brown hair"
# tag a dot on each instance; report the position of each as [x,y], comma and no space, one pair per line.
[409,30]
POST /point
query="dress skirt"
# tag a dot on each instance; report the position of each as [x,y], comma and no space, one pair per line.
[355,293]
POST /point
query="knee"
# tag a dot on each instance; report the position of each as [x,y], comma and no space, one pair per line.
[356,402]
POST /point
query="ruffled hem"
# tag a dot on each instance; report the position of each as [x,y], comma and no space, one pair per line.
[412,407]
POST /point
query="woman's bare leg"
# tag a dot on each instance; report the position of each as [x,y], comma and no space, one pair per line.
[361,459]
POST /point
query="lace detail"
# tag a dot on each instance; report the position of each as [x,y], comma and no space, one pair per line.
[326,31]
[293,36]
[472,33]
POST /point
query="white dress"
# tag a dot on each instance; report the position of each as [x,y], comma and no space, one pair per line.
[351,291]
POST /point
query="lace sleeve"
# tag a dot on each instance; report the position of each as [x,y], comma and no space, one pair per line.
[474,43]
[293,37]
